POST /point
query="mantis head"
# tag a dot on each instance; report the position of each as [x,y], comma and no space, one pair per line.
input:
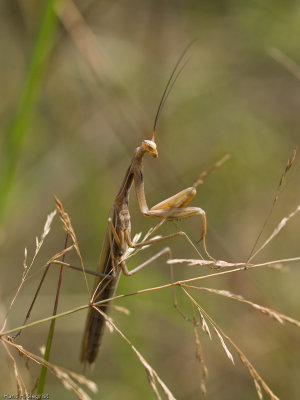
[149,146]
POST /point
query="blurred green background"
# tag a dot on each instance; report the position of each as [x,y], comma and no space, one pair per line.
[95,101]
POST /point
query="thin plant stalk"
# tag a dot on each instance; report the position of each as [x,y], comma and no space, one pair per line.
[138,292]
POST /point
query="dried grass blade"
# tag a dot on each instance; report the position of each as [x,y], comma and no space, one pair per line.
[67,225]
[258,389]
[47,227]
[199,356]
[287,168]
[59,254]
[21,388]
[91,385]
[229,355]
[216,264]
[254,374]
[121,309]
[277,316]
[204,325]
[26,268]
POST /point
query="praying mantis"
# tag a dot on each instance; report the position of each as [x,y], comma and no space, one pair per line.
[117,238]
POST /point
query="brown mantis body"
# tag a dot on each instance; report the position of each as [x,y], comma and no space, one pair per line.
[118,238]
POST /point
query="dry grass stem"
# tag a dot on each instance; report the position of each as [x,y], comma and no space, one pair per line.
[82,36]
[210,171]
[258,380]
[26,268]
[121,309]
[208,263]
[287,168]
[199,355]
[66,221]
[289,164]
[281,318]
[229,355]
[51,260]
[67,378]
[279,227]
[21,388]
[288,63]
[239,266]
[59,254]
[152,375]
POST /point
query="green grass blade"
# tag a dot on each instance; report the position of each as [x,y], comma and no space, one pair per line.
[25,108]
[42,378]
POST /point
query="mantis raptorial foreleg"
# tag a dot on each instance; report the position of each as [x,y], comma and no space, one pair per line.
[171,208]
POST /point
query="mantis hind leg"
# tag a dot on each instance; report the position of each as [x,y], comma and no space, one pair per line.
[167,251]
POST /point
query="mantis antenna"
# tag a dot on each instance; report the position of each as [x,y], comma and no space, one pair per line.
[173,78]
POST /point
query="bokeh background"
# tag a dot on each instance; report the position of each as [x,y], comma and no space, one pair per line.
[96,100]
